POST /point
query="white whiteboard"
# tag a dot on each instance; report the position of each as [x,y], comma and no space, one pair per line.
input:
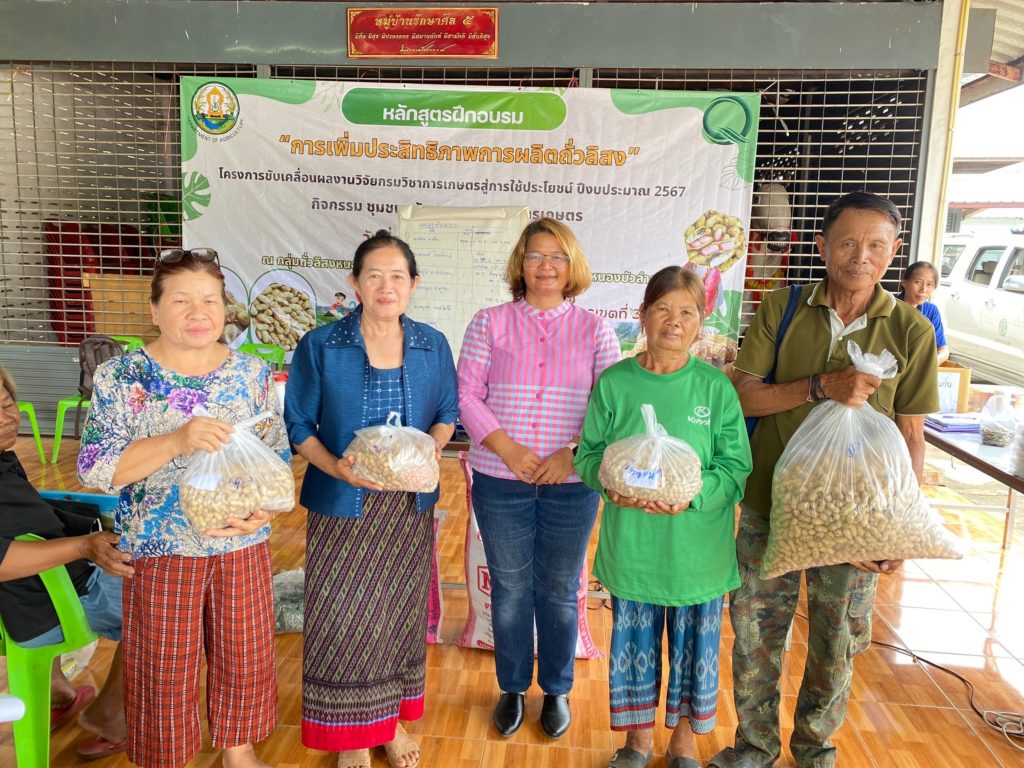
[461,254]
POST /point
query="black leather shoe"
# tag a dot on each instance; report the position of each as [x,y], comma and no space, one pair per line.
[555,715]
[508,713]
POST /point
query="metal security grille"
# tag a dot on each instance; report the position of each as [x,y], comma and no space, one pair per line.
[89,176]
[89,179]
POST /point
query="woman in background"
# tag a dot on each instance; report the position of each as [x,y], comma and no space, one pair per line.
[525,372]
[667,567]
[368,553]
[916,288]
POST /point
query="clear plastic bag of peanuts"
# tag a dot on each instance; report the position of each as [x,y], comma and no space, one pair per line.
[394,457]
[244,475]
[653,466]
[844,490]
[998,424]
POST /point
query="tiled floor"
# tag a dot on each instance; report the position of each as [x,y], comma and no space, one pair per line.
[964,615]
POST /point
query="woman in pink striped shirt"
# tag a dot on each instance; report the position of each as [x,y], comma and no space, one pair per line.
[525,374]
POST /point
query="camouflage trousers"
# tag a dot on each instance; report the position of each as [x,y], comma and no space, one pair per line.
[839,603]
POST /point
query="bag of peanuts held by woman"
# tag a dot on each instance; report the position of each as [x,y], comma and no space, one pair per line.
[844,490]
[244,475]
[394,457]
[653,466]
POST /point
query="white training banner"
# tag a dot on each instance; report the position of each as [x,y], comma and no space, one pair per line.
[286,177]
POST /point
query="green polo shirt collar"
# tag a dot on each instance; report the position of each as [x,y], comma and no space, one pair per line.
[882,303]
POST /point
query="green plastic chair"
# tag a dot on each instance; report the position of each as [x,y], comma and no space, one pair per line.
[79,401]
[73,401]
[30,410]
[130,343]
[272,353]
[28,669]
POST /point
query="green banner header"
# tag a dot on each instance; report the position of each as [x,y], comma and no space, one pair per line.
[503,110]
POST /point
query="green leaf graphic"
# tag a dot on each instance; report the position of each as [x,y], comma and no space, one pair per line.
[729,118]
[194,195]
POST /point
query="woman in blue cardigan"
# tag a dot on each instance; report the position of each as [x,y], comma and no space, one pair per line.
[368,552]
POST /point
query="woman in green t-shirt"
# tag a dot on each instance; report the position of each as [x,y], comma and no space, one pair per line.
[663,564]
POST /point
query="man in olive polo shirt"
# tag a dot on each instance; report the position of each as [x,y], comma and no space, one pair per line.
[859,238]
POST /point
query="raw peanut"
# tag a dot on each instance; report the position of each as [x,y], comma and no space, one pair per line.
[236,318]
[674,480]
[709,229]
[236,493]
[820,519]
[992,435]
[282,314]
[396,458]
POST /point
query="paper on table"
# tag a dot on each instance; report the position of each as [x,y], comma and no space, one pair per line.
[953,422]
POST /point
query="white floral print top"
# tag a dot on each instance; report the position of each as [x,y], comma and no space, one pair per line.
[133,398]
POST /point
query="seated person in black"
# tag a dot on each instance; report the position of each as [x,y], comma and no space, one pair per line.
[25,607]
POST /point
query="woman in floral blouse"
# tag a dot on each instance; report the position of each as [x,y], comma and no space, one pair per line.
[194,592]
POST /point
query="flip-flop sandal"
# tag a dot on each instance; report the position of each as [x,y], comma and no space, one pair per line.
[680,762]
[61,715]
[730,758]
[630,758]
[396,752]
[354,758]
[95,748]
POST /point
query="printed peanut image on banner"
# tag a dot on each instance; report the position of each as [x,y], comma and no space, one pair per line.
[286,177]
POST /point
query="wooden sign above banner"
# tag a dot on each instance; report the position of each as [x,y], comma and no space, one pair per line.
[423,33]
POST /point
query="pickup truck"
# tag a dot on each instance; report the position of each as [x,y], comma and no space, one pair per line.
[981,298]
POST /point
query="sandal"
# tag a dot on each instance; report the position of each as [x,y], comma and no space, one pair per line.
[401,747]
[354,758]
[730,758]
[630,758]
[61,715]
[97,747]
[680,762]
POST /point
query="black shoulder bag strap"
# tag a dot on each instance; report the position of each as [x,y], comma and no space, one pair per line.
[787,317]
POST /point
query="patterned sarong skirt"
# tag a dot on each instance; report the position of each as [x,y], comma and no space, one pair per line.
[364,644]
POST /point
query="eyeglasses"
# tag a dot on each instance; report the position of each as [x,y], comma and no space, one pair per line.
[558,260]
[174,255]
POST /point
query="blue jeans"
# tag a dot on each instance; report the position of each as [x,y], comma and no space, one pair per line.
[535,538]
[102,606]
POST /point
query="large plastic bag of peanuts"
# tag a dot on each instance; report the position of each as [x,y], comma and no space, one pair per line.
[844,490]
[394,457]
[244,475]
[653,466]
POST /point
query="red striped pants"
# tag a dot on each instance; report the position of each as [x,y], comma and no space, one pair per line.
[176,609]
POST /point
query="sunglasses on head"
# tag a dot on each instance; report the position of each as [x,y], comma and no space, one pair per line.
[174,255]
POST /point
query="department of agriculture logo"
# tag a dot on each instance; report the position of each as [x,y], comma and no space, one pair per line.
[215,108]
